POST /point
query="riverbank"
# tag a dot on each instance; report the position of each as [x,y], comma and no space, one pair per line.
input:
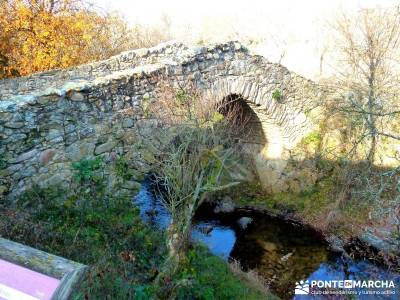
[96,226]
[280,251]
[102,229]
[347,230]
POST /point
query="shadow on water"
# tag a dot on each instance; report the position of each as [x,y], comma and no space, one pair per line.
[281,252]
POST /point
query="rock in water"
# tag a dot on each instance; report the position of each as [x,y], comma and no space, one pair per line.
[268,246]
[287,256]
[244,222]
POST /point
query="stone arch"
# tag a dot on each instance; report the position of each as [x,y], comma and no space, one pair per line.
[259,99]
[243,118]
[270,158]
[288,116]
[48,120]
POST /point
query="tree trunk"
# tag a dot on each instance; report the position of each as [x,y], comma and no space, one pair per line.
[177,245]
[371,117]
[372,149]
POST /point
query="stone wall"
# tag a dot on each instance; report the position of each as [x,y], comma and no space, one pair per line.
[51,119]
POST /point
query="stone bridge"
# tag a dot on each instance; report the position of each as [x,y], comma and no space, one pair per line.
[51,119]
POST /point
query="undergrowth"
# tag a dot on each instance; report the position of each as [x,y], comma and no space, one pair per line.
[89,224]
[315,205]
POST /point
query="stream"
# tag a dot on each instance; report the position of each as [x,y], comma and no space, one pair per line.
[283,253]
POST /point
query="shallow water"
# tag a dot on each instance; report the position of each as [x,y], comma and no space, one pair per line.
[281,252]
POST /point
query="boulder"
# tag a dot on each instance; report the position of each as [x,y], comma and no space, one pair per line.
[244,222]
[132,185]
[225,205]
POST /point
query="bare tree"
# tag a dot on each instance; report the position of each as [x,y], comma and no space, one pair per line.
[368,76]
[195,155]
[366,110]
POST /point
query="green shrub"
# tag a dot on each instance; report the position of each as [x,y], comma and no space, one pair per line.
[122,168]
[314,138]
[182,97]
[87,170]
[277,95]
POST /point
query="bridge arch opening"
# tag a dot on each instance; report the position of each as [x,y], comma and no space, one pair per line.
[245,123]
[247,129]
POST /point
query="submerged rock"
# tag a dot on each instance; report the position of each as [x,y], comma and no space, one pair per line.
[244,222]
[287,256]
[226,205]
[268,246]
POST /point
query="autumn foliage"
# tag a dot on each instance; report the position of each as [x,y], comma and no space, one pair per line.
[37,35]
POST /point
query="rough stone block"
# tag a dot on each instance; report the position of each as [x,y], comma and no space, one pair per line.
[79,150]
[46,156]
[76,96]
[24,156]
[107,147]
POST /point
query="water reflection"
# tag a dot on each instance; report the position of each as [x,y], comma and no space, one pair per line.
[282,253]
[220,239]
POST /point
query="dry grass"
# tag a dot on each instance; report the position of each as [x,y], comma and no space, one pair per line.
[251,278]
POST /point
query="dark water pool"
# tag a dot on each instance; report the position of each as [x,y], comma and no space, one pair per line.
[281,252]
